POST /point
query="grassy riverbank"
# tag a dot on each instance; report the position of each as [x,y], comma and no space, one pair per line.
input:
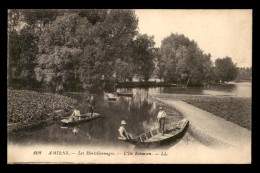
[234,109]
[29,108]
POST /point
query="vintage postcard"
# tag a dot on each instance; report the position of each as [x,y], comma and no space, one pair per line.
[129,86]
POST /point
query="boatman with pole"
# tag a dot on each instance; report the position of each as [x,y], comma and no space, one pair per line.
[161,118]
[122,132]
[91,104]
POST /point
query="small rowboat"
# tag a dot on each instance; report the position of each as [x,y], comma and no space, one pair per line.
[124,94]
[174,85]
[110,96]
[84,118]
[154,138]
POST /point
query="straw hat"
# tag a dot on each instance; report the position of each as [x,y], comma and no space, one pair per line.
[123,122]
[160,108]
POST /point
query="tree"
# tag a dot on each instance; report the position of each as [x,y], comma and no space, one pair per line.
[160,65]
[184,61]
[59,53]
[119,29]
[226,70]
[83,46]
[14,46]
[168,49]
[26,62]
[14,51]
[25,27]
[113,38]
[93,15]
[38,18]
[14,20]
[124,70]
[143,55]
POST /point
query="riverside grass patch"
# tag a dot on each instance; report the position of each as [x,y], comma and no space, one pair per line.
[234,109]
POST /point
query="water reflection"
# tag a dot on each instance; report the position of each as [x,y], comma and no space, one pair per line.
[75,129]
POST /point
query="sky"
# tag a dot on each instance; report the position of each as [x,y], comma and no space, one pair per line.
[218,32]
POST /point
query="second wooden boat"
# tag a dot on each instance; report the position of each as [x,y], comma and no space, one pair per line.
[110,96]
[124,94]
[84,118]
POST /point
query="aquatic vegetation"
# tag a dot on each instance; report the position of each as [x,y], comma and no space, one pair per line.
[30,107]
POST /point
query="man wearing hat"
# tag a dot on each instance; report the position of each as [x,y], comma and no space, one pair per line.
[161,118]
[122,132]
[91,103]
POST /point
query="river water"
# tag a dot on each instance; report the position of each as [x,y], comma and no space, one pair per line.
[139,112]
[242,89]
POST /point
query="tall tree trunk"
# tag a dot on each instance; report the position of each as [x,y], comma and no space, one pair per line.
[188,82]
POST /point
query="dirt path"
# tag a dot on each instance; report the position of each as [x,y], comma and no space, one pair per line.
[210,129]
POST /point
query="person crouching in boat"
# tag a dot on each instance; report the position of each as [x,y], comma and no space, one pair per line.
[161,118]
[75,116]
[122,132]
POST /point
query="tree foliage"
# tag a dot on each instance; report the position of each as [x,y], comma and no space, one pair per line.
[183,61]
[84,46]
[226,70]
[24,31]
[160,65]
[124,71]
[143,56]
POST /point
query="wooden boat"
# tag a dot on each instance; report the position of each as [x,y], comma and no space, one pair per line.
[154,138]
[110,96]
[124,94]
[174,85]
[84,118]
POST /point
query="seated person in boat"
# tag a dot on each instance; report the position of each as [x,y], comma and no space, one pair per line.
[122,132]
[75,116]
[161,118]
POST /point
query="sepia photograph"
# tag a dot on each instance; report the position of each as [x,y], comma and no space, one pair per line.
[129,86]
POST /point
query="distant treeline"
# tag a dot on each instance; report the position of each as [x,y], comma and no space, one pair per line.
[72,50]
[244,74]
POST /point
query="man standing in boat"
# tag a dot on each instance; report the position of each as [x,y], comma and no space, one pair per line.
[91,104]
[122,132]
[161,118]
